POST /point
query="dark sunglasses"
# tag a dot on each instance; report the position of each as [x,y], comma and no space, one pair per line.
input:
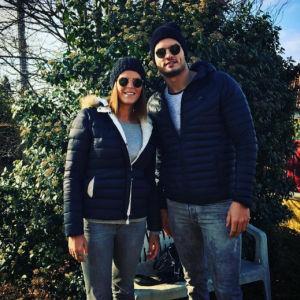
[137,82]
[174,49]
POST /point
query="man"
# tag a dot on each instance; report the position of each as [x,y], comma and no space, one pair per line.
[207,147]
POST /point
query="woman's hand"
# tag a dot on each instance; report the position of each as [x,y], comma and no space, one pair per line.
[154,246]
[78,247]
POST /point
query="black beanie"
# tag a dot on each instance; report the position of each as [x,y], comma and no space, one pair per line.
[168,30]
[124,64]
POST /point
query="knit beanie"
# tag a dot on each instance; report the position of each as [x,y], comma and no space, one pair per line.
[168,30]
[124,64]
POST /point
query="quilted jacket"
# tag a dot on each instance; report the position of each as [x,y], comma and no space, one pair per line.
[214,157]
[100,182]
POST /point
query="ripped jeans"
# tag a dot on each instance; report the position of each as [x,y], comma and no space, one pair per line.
[199,229]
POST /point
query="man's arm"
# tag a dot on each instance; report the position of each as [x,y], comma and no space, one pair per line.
[239,124]
[165,222]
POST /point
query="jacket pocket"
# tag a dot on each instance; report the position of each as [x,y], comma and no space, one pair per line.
[90,189]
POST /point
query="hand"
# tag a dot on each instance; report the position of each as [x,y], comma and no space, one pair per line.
[238,216]
[165,222]
[77,246]
[154,246]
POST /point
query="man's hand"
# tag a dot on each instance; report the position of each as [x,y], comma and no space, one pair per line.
[154,246]
[165,222]
[78,247]
[238,217]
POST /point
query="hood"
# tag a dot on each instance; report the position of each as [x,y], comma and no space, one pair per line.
[92,101]
[201,67]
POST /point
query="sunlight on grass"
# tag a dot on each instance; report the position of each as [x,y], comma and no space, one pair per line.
[294,206]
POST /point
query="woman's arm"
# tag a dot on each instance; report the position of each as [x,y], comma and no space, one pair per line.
[75,168]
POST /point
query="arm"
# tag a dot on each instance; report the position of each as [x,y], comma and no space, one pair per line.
[75,167]
[239,124]
[165,222]
[153,218]
[159,158]
[160,189]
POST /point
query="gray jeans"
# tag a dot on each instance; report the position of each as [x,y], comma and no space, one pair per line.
[199,229]
[113,256]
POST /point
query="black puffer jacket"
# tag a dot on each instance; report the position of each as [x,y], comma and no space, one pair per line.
[99,181]
[214,157]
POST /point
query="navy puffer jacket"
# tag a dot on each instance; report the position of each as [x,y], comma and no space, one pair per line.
[214,157]
[99,181]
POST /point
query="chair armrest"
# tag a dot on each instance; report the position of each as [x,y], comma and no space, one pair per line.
[261,245]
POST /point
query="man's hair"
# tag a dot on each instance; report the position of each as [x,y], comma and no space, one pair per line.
[139,110]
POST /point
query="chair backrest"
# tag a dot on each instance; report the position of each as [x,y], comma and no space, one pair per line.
[165,241]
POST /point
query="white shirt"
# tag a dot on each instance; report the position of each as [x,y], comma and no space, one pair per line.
[174,104]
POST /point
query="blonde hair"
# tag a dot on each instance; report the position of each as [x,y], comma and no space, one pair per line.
[139,110]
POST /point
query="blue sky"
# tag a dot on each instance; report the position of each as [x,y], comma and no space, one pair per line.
[289,21]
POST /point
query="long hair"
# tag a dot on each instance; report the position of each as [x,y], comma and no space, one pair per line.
[139,110]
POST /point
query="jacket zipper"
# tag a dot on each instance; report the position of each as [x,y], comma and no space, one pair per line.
[185,189]
[184,178]
[182,163]
[120,129]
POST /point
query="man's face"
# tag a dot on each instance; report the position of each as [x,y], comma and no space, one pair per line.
[171,64]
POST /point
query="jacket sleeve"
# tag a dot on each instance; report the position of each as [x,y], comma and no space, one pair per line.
[153,216]
[162,200]
[236,113]
[75,167]
[159,157]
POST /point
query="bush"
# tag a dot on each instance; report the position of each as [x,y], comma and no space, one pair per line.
[32,242]
[9,133]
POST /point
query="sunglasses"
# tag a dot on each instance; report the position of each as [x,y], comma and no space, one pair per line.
[174,49]
[137,82]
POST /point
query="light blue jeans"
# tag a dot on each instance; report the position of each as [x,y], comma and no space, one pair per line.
[200,232]
[113,256]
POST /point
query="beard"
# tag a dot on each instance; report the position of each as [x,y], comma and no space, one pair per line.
[171,73]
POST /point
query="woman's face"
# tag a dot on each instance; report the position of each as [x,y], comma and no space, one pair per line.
[128,94]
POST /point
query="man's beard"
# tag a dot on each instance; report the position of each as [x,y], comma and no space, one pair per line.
[171,73]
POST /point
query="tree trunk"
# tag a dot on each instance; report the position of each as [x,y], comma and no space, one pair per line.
[22,45]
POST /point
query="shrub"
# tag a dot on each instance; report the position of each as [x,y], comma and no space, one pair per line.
[32,241]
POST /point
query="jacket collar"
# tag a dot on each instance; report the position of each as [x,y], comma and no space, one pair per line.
[201,67]
[146,125]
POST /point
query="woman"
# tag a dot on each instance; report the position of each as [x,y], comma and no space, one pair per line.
[109,185]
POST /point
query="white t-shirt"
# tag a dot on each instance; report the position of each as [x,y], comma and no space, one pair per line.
[174,104]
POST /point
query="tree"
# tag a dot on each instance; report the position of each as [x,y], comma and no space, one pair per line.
[25,30]
[9,133]
[231,37]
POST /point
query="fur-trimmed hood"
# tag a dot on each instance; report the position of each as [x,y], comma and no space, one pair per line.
[92,101]
[102,107]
